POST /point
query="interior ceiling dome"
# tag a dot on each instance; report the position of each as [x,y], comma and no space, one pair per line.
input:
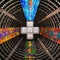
[15,48]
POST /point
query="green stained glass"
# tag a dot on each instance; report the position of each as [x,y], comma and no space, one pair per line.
[51,33]
[33,51]
[26,44]
[58,35]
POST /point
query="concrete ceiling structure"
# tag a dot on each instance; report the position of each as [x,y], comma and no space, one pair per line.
[48,15]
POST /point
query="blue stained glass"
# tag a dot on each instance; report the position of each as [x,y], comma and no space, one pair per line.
[1,35]
[30,9]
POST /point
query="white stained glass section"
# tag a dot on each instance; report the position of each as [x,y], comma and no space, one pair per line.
[29,36]
[36,30]
[30,23]
[23,30]
[30,30]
